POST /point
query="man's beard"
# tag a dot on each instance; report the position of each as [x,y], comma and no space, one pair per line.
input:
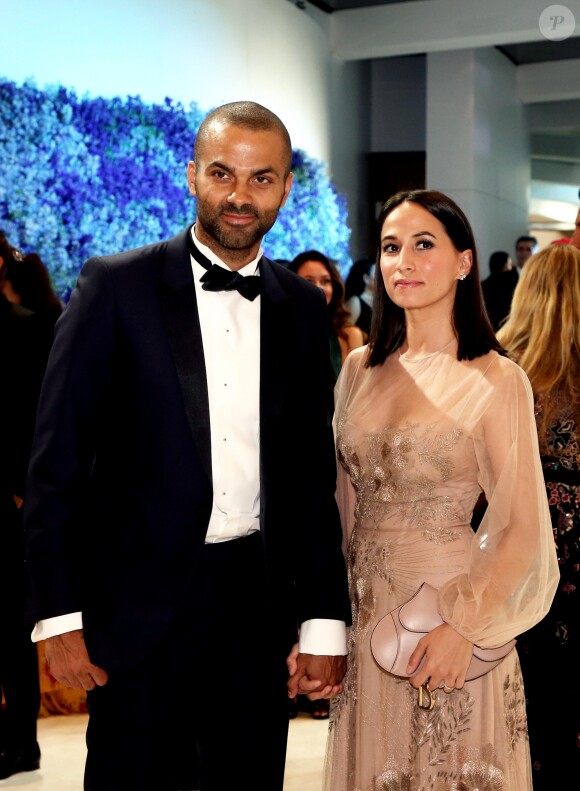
[235,238]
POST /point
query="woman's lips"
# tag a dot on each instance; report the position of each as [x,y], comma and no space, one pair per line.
[407,283]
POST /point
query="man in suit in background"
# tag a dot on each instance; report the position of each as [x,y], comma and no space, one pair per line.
[180,520]
[525,247]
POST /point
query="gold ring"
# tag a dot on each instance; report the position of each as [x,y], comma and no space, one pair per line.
[447,689]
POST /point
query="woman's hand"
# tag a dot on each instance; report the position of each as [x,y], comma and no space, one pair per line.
[291,660]
[447,657]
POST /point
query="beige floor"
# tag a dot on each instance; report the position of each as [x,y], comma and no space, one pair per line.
[62,744]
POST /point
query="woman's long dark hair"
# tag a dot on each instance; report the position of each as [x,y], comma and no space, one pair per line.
[338,314]
[475,335]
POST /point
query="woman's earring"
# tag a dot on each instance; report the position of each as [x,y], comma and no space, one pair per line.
[462,276]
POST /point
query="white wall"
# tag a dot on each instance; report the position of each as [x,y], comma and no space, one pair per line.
[478,144]
[350,102]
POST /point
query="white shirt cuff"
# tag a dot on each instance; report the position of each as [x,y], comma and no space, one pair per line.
[60,624]
[323,637]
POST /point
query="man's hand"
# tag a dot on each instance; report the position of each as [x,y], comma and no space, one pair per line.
[316,676]
[69,663]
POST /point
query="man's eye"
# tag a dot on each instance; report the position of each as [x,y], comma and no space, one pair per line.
[262,180]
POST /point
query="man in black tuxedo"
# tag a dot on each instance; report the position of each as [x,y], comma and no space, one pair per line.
[180,519]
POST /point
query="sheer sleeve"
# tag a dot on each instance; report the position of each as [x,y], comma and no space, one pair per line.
[513,569]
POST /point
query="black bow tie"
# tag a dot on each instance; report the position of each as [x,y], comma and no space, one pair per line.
[219,279]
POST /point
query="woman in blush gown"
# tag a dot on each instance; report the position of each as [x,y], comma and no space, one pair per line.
[428,416]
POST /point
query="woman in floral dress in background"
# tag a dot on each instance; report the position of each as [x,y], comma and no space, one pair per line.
[543,336]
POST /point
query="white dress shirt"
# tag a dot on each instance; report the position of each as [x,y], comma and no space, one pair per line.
[230,330]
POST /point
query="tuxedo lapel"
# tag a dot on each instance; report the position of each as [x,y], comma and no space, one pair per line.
[181,318]
[275,345]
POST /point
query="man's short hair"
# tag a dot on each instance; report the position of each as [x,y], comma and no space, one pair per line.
[527,238]
[248,115]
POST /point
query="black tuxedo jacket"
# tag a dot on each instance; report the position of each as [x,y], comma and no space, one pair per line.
[119,490]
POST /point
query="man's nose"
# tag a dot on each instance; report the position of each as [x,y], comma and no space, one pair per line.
[238,196]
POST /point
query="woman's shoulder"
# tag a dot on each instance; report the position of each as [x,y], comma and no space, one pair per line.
[352,368]
[501,365]
[354,359]
[500,372]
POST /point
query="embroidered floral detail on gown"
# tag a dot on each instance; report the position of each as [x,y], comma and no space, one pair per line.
[417,442]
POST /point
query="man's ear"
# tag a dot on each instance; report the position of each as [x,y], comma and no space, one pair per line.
[287,186]
[191,177]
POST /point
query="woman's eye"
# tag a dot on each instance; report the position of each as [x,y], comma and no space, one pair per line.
[425,244]
[390,248]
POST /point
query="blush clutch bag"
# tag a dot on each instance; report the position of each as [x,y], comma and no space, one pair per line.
[396,635]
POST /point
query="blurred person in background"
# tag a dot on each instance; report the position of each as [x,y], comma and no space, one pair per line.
[525,247]
[575,238]
[343,336]
[359,289]
[26,282]
[542,334]
[498,287]
[24,349]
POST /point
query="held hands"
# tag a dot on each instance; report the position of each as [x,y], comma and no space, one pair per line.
[315,676]
[69,663]
[447,657]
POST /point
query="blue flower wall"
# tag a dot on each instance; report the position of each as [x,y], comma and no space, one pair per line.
[83,176]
